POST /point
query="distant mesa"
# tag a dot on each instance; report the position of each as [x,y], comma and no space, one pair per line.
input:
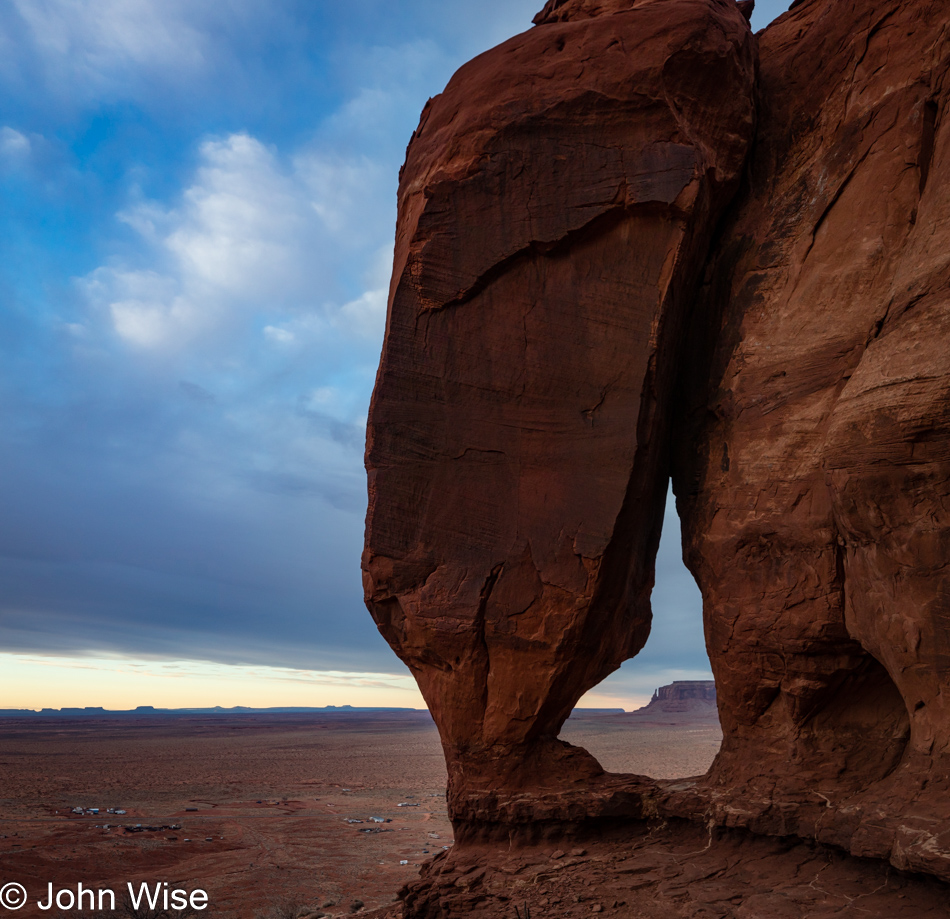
[676,703]
[149,710]
[682,691]
[597,711]
[682,700]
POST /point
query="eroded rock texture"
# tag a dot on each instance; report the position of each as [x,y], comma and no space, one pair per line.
[814,473]
[554,211]
[548,340]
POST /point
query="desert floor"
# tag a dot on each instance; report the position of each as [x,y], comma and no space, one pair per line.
[254,808]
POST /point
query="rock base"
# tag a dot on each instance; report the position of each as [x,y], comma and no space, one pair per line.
[666,869]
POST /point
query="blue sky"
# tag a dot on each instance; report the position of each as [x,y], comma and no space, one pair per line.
[196,233]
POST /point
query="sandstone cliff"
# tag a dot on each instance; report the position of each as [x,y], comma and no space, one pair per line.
[627,250]
[555,208]
[685,691]
[814,463]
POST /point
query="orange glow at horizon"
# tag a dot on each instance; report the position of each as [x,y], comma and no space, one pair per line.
[36,681]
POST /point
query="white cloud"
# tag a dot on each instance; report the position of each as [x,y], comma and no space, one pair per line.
[148,323]
[145,307]
[366,316]
[243,224]
[278,335]
[148,219]
[249,236]
[13,143]
[92,43]
[337,189]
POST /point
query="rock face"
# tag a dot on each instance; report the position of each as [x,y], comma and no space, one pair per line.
[548,340]
[668,870]
[555,208]
[813,473]
[685,691]
[680,702]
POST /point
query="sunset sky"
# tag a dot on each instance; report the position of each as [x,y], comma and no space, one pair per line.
[196,232]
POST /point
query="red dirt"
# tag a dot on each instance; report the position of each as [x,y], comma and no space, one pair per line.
[272,791]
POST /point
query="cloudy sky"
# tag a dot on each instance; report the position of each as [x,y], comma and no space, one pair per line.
[196,234]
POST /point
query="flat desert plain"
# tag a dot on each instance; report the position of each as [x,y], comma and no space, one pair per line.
[265,812]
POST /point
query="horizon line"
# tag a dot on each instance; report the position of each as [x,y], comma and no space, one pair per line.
[98,710]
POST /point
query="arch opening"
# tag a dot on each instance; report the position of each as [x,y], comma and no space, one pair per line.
[657,714]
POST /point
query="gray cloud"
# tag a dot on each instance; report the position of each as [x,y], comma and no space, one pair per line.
[190,326]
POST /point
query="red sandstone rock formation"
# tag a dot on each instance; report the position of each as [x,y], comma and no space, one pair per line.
[554,210]
[680,702]
[685,691]
[815,471]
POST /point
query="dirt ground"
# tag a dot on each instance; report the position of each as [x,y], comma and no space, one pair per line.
[260,811]
[664,745]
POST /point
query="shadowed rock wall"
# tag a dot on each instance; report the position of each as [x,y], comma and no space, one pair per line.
[814,466]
